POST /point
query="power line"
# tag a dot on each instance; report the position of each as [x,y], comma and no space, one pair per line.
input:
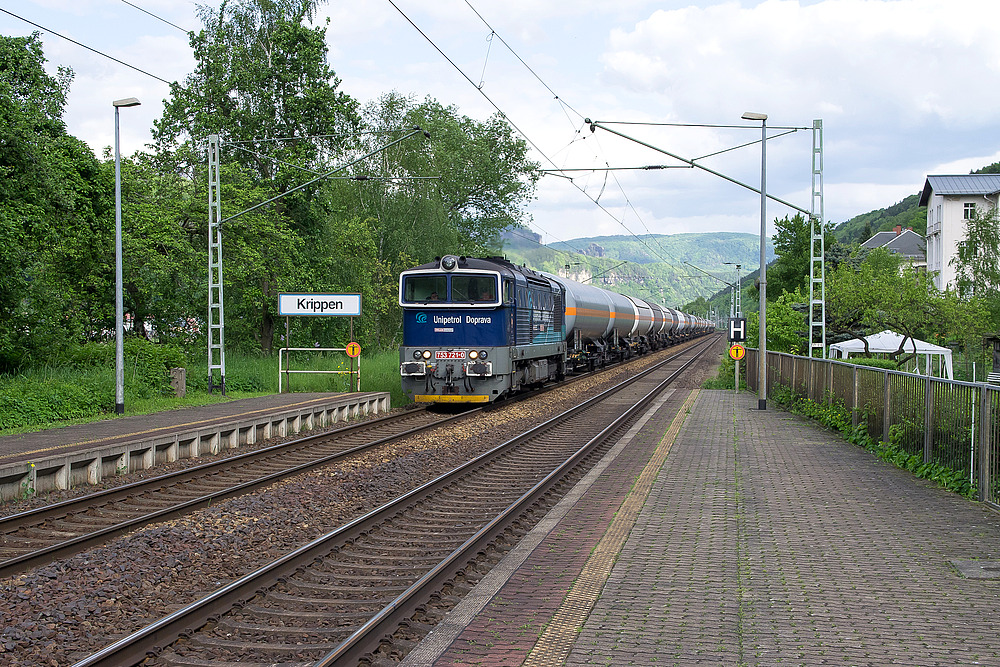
[521,60]
[158,18]
[712,125]
[100,53]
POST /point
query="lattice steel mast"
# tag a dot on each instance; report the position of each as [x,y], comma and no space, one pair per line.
[817,263]
[216,313]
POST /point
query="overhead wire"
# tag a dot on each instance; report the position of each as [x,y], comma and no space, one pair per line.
[513,124]
[89,48]
[494,33]
[158,18]
[555,95]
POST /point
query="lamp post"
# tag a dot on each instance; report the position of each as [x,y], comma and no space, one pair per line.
[119,306]
[762,352]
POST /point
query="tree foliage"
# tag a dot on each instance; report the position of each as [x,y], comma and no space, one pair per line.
[879,292]
[54,201]
[262,82]
[977,261]
[787,324]
[793,246]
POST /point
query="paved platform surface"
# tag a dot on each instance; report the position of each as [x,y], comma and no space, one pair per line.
[733,536]
[79,437]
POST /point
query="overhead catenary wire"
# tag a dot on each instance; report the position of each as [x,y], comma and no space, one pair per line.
[493,33]
[89,48]
[158,18]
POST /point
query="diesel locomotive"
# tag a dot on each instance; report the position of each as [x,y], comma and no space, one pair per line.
[475,330]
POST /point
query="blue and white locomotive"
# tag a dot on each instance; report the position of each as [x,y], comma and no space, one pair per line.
[475,330]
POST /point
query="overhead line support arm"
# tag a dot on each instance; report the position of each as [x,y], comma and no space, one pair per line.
[595,124]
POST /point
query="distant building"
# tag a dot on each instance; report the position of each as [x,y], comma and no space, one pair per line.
[904,242]
[950,201]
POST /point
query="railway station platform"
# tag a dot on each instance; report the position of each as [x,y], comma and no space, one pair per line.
[63,457]
[734,536]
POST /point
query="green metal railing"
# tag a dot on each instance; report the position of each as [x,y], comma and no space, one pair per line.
[954,424]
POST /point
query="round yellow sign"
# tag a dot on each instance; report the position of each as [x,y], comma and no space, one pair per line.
[737,352]
[353,349]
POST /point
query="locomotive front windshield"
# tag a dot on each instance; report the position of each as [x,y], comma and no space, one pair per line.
[466,287]
[425,288]
[450,288]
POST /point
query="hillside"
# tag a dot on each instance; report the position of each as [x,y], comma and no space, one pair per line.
[905,213]
[657,267]
[672,268]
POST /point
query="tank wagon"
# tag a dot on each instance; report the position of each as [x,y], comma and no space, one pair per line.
[475,330]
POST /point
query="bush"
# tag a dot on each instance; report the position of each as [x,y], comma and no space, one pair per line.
[147,366]
[26,401]
[83,383]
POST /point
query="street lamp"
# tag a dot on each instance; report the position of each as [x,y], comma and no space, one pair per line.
[119,306]
[762,352]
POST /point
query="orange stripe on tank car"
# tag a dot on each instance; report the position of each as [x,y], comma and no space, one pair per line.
[587,312]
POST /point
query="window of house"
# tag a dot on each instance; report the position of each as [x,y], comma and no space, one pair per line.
[969,210]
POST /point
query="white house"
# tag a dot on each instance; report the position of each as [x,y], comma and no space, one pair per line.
[950,201]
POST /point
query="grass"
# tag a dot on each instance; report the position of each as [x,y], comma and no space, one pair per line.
[246,377]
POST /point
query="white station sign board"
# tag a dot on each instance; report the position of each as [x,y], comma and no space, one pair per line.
[319,304]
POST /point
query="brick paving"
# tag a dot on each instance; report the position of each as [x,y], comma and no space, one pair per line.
[764,540]
[769,541]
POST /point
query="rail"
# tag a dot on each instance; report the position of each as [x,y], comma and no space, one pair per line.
[951,423]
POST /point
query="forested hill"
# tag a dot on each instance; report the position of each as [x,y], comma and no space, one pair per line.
[667,268]
[862,227]
[905,213]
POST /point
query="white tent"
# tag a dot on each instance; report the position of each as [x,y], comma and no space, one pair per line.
[888,342]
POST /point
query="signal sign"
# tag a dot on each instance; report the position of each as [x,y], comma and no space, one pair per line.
[353,349]
[737,352]
[737,329]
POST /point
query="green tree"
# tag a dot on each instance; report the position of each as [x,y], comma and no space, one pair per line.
[977,261]
[787,324]
[793,246]
[263,84]
[55,199]
[879,293]
[482,178]
[163,274]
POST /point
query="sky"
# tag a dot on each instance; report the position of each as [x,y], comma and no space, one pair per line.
[903,89]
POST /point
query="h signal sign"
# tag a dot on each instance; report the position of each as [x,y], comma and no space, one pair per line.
[737,329]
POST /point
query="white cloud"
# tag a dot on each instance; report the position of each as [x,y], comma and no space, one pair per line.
[905,88]
[899,60]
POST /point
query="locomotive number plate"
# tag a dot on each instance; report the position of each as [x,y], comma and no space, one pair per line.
[449,354]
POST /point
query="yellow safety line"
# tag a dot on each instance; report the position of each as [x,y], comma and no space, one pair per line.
[162,428]
[556,642]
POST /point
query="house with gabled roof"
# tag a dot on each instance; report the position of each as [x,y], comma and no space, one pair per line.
[903,242]
[950,201]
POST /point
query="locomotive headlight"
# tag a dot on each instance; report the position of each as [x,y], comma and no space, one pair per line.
[482,354]
[473,355]
[426,354]
[449,262]
[416,354]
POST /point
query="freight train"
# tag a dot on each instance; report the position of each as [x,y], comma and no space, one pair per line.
[475,330]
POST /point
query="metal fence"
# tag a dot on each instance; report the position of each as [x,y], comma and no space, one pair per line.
[954,424]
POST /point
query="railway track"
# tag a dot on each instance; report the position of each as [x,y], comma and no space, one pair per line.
[36,537]
[39,536]
[362,591]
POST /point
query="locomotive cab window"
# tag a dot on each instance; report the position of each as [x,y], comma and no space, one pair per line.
[508,291]
[421,289]
[473,288]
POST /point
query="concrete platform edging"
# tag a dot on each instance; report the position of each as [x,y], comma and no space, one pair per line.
[49,473]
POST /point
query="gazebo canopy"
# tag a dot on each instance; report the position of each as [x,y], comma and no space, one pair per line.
[888,342]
